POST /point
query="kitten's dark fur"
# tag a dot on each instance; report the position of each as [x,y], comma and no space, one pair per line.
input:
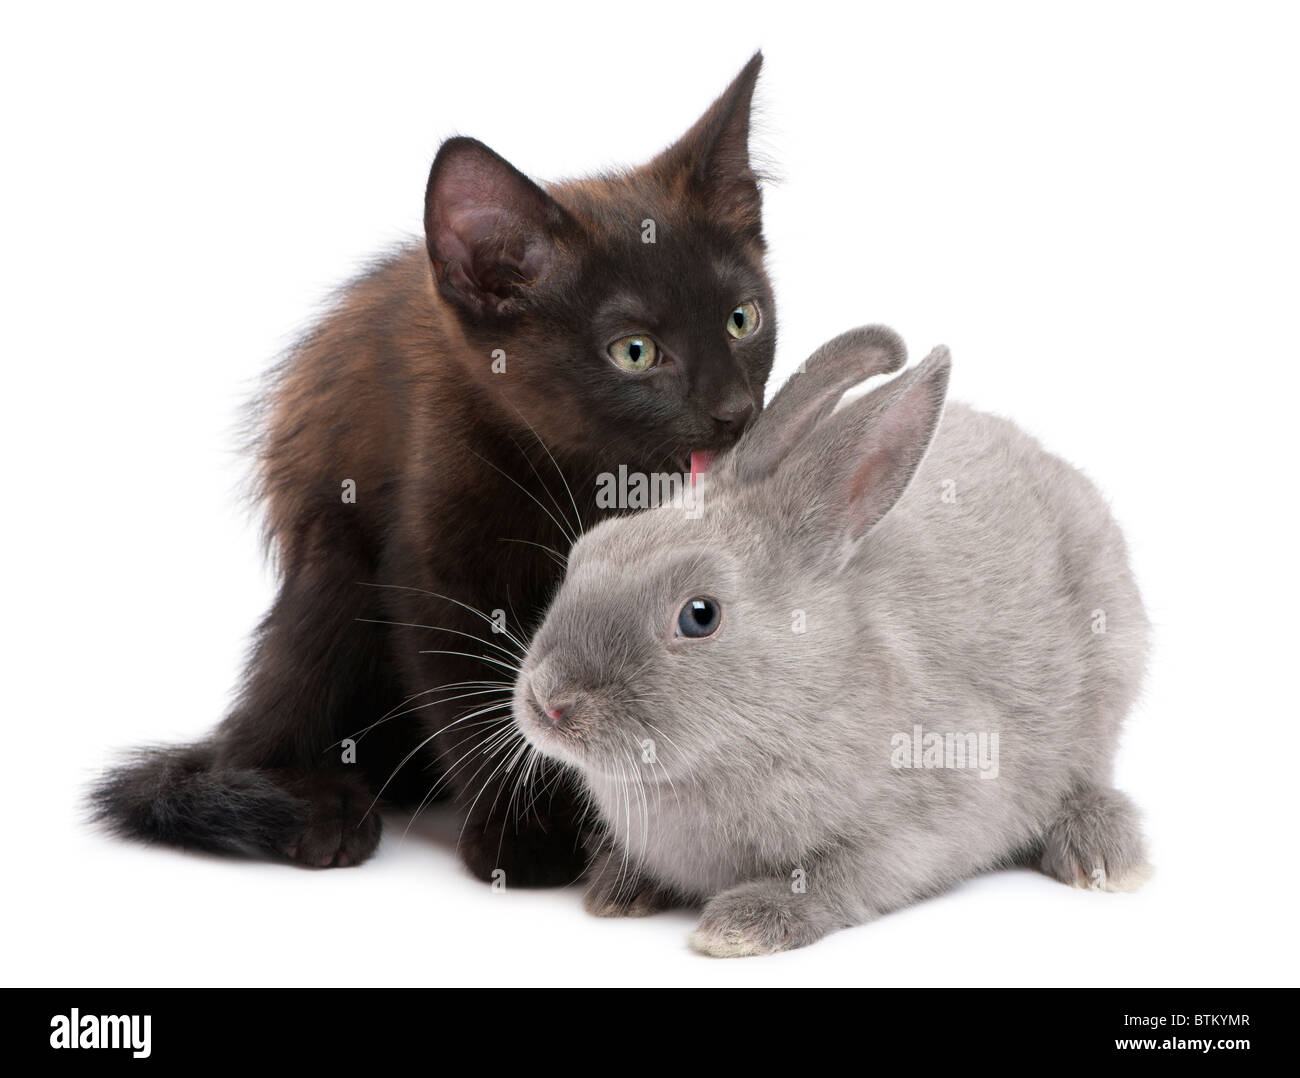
[457,471]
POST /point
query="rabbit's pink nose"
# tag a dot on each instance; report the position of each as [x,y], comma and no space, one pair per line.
[553,702]
[556,708]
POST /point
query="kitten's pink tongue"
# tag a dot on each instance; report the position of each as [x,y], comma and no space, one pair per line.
[700,462]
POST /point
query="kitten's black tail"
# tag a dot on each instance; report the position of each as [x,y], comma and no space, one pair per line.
[179,796]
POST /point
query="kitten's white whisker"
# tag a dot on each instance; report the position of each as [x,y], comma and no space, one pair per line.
[556,556]
[537,501]
[577,513]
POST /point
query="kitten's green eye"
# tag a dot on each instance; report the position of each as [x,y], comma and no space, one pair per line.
[635,353]
[743,320]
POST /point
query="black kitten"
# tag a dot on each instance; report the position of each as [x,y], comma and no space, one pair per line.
[430,450]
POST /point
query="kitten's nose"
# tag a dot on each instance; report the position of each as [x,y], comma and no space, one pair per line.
[735,417]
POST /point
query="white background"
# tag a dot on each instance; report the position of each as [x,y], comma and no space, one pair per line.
[1094,206]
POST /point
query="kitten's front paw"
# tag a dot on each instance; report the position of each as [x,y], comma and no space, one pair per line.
[754,919]
[524,855]
[341,829]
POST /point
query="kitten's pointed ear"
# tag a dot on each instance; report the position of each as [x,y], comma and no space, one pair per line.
[491,232]
[710,163]
[809,396]
[854,467]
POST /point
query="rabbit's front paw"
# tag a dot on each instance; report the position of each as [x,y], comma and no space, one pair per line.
[639,900]
[620,889]
[756,918]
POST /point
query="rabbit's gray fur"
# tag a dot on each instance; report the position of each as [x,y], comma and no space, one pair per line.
[987,590]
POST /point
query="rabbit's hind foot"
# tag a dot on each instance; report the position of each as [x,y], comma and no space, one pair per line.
[1095,842]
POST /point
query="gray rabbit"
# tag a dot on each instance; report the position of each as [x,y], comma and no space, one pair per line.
[885,652]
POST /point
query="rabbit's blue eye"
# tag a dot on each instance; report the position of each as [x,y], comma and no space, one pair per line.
[699,617]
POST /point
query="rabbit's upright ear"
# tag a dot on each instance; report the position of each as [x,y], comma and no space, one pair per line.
[811,393]
[846,475]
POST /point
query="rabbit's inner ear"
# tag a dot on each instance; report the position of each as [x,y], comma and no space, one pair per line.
[811,394]
[897,437]
[868,452]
